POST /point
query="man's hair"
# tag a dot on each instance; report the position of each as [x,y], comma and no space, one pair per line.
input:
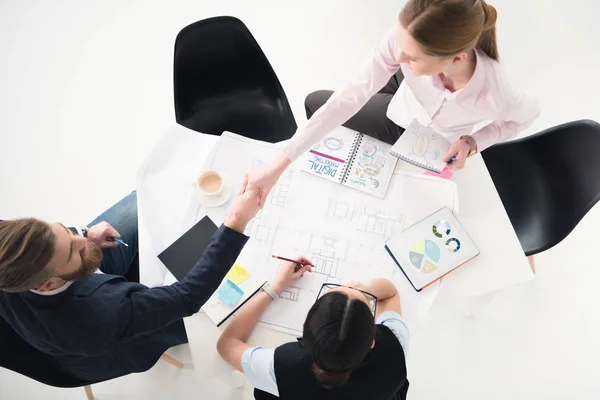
[26,247]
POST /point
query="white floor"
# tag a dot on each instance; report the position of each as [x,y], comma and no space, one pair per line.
[86,90]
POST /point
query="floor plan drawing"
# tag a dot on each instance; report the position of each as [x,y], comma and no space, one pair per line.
[339,209]
[279,194]
[290,294]
[262,232]
[376,222]
[341,230]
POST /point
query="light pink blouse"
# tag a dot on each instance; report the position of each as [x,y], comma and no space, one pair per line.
[489,96]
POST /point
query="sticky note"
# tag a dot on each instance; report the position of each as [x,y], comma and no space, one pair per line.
[446,173]
[237,274]
[230,293]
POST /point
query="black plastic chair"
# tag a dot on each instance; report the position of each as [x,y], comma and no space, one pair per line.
[547,181]
[19,356]
[224,82]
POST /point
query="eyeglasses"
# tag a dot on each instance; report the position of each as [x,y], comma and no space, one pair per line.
[371,298]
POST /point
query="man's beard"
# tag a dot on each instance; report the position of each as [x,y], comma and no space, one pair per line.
[91,258]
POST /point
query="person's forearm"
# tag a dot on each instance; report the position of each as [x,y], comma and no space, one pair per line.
[381,288]
[206,276]
[242,325]
[149,310]
[281,162]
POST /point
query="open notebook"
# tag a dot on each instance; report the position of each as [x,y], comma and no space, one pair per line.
[352,159]
[422,146]
[431,248]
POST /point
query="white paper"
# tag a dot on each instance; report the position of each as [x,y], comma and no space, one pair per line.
[343,231]
[164,186]
[423,194]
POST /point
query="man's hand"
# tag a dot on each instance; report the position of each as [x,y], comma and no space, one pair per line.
[266,176]
[244,208]
[102,235]
[288,274]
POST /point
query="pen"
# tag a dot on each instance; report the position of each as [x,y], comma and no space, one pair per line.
[299,264]
[120,241]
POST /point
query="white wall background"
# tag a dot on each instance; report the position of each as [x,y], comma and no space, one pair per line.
[86,90]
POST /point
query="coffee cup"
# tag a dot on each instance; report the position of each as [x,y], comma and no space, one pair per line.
[210,183]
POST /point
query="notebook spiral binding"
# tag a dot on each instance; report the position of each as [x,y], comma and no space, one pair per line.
[413,162]
[355,147]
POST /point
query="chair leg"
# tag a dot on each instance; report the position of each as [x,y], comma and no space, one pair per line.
[531,263]
[88,392]
[170,360]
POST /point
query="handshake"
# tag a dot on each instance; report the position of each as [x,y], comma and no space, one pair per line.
[245,207]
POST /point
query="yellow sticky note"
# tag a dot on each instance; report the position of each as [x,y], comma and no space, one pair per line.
[237,274]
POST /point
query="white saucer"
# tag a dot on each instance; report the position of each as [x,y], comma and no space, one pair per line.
[215,201]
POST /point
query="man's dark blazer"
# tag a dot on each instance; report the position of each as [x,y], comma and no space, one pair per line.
[103,326]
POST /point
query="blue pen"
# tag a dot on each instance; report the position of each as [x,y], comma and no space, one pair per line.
[120,241]
[452,160]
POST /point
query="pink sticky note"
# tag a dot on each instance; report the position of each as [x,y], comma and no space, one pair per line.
[446,173]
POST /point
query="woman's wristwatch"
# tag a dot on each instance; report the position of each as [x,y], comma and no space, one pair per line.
[472,143]
[268,290]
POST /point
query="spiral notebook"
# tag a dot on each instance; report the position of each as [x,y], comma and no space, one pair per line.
[422,146]
[352,159]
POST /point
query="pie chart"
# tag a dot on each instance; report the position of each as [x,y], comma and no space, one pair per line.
[424,256]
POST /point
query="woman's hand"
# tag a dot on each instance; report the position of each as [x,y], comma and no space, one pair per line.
[262,178]
[245,207]
[266,176]
[460,151]
[288,273]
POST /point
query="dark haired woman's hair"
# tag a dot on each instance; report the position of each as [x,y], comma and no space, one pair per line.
[338,334]
[445,28]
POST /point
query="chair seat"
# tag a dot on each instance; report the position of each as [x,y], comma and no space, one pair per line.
[250,113]
[547,182]
[19,356]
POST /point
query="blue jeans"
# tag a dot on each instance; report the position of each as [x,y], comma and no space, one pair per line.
[123,217]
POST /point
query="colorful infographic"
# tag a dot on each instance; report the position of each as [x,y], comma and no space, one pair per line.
[424,256]
[441,228]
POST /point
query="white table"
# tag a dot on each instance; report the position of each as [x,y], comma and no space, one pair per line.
[164,191]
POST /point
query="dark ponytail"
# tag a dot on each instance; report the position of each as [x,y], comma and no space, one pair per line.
[338,334]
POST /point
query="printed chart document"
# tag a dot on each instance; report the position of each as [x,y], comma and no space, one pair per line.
[431,248]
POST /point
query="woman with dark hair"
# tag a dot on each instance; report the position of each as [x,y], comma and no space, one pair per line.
[439,65]
[352,345]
